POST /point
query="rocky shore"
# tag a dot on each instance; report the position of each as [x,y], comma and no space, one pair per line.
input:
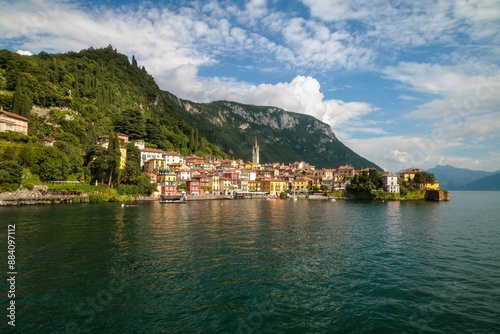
[38,195]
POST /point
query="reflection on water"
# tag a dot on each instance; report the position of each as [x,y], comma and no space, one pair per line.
[252,266]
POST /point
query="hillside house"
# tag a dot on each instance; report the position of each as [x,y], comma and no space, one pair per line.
[123,140]
[13,122]
[150,153]
[408,174]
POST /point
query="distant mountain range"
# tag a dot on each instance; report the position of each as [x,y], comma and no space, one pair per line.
[453,178]
[283,136]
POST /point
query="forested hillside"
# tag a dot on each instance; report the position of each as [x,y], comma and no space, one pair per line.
[283,136]
[92,91]
[75,98]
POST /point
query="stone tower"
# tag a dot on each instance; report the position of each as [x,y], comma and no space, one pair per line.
[255,152]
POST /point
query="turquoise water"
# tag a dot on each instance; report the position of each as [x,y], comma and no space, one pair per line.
[257,266]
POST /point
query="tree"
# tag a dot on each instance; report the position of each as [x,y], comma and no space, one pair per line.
[424,178]
[10,175]
[97,163]
[50,164]
[132,123]
[132,167]
[155,133]
[144,184]
[113,157]
[22,102]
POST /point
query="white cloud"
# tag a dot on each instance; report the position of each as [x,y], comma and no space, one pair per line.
[398,152]
[303,94]
[24,52]
[414,23]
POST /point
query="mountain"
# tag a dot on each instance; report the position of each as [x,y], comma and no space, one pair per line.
[78,96]
[283,136]
[491,182]
[453,178]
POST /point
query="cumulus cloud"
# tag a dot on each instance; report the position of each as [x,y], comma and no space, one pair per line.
[302,94]
[24,52]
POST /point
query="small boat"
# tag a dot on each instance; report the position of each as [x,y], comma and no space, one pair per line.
[130,205]
[173,200]
[333,200]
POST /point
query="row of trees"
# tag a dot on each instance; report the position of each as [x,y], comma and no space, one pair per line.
[67,161]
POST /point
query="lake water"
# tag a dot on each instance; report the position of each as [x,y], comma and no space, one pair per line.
[257,266]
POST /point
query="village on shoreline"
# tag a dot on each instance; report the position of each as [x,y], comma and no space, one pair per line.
[200,178]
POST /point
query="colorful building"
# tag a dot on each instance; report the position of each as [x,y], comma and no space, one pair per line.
[273,186]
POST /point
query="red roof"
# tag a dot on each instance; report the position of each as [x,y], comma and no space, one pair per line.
[12,115]
[152,150]
[410,171]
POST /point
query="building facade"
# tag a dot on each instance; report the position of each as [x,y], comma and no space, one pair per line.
[390,183]
[13,122]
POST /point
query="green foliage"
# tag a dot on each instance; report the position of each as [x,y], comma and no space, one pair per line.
[131,123]
[144,185]
[132,167]
[366,183]
[127,189]
[10,175]
[113,155]
[104,93]
[424,177]
[50,164]
[17,137]
[30,180]
[22,102]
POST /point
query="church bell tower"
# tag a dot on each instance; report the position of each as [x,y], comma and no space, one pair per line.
[255,151]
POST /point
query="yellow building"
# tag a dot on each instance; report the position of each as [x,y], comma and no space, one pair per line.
[300,184]
[214,183]
[123,140]
[429,186]
[272,186]
[123,157]
[408,174]
[253,186]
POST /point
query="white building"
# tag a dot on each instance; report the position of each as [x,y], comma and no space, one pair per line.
[390,183]
[13,122]
[150,153]
[172,157]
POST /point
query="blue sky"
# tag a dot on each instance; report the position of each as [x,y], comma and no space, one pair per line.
[403,83]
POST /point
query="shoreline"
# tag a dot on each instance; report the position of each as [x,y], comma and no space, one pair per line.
[23,197]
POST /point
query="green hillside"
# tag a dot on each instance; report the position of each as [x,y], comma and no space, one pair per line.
[283,136]
[75,98]
[94,90]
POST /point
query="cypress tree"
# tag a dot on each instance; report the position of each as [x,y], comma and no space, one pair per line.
[22,101]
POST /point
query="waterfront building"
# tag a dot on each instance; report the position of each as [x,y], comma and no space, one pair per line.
[273,186]
[390,183]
